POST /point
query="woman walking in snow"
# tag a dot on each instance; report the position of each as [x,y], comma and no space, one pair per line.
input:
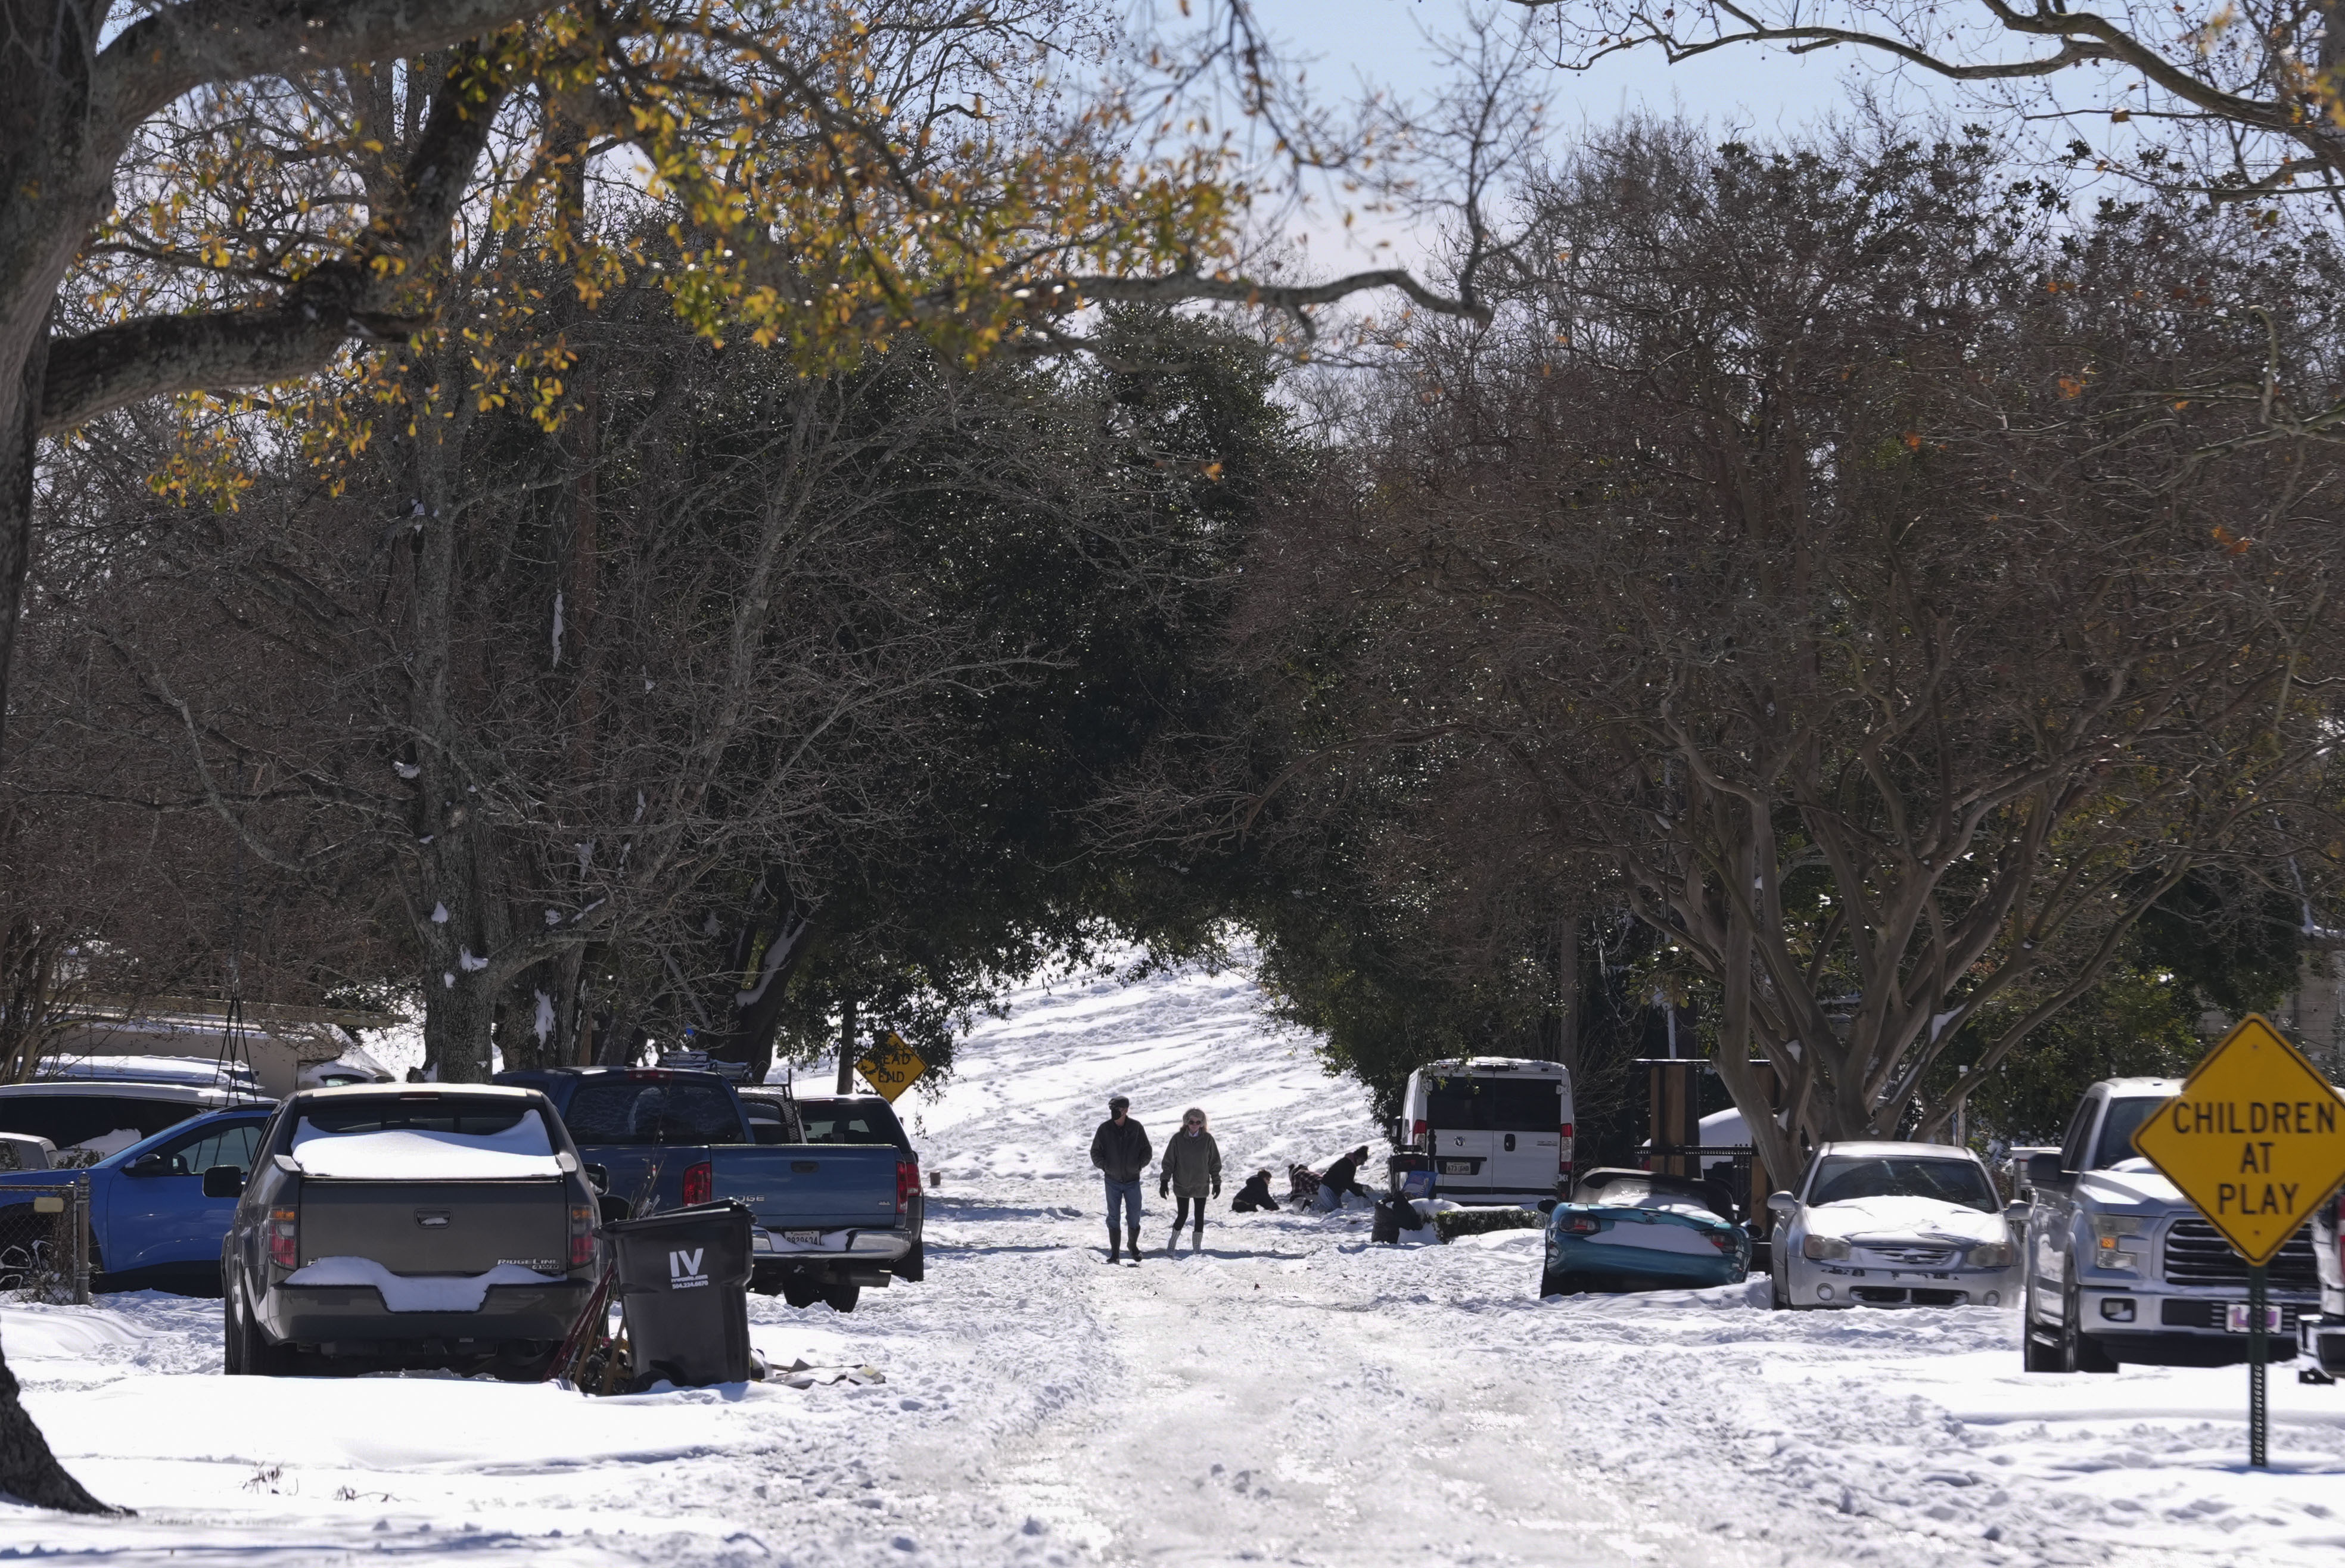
[1192,1164]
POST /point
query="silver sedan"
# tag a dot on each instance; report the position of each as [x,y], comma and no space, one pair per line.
[1892,1225]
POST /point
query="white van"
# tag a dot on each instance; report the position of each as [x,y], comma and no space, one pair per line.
[1498,1127]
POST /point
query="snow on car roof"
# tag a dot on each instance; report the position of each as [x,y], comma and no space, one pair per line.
[395,1091]
[1880,1148]
[2142,1089]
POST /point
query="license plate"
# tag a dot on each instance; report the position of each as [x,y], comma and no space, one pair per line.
[2239,1319]
[804,1238]
[1456,1168]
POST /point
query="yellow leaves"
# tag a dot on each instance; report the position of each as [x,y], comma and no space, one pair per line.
[2232,543]
[1912,439]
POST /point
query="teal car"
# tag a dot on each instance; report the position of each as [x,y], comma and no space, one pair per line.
[1638,1230]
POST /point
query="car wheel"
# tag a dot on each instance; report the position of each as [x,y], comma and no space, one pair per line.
[250,1352]
[914,1264]
[842,1298]
[232,1339]
[800,1291]
[2079,1351]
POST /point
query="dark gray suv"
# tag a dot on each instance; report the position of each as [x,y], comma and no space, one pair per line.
[409,1224]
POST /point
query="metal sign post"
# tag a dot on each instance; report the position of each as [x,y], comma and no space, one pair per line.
[2259,1412]
[2256,1139]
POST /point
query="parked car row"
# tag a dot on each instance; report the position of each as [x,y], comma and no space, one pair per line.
[2107,1261]
[399,1224]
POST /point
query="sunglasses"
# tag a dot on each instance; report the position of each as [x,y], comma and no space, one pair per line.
[1193,1121]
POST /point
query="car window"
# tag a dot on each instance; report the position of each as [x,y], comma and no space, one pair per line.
[848,1124]
[228,1143]
[2116,1142]
[83,1126]
[1466,1104]
[1842,1178]
[2072,1147]
[637,1111]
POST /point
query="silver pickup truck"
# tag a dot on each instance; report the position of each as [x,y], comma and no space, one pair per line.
[2121,1267]
[2321,1335]
[408,1224]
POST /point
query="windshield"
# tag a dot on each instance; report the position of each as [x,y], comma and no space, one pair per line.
[444,1138]
[2124,1117]
[655,1111]
[849,1121]
[1494,1104]
[1842,1178]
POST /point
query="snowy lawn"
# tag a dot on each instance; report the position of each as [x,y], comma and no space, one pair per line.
[1292,1395]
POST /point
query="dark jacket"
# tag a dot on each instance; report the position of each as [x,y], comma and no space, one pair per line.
[1344,1175]
[1191,1164]
[1255,1195]
[1121,1152]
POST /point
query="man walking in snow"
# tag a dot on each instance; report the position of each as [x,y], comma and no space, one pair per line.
[1191,1164]
[1121,1150]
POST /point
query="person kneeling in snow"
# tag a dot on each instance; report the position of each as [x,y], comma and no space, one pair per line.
[1342,1177]
[1254,1196]
[1301,1185]
[1192,1163]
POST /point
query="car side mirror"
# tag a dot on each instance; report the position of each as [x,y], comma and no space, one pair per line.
[2044,1171]
[148,1165]
[1783,1205]
[224,1181]
[598,1177]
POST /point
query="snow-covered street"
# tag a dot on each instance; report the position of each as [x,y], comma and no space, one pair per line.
[1293,1395]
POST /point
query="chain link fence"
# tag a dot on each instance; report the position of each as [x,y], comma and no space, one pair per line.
[44,1242]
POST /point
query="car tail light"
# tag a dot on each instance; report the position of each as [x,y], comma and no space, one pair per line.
[1721,1239]
[1563,1147]
[1417,1129]
[699,1183]
[285,1238]
[908,1182]
[1579,1224]
[582,1235]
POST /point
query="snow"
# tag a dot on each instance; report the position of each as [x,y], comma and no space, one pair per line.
[1923,1217]
[418,1292]
[394,1154]
[1290,1395]
[1655,1237]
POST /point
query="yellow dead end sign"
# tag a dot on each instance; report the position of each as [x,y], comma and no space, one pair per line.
[892,1067]
[2256,1138]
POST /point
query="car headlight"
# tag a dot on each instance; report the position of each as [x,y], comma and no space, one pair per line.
[2110,1232]
[1991,1255]
[1823,1247]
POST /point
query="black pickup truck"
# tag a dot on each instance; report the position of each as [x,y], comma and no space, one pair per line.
[831,1218]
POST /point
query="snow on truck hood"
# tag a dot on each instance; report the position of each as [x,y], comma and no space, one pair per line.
[407,1153]
[2131,1181]
[1920,1218]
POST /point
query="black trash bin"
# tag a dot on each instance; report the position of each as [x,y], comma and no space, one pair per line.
[683,1281]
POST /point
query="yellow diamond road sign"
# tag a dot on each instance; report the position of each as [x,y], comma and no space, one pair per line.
[892,1067]
[2256,1138]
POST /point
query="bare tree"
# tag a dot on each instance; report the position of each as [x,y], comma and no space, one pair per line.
[1897,596]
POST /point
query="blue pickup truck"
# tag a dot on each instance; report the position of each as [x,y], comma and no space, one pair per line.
[831,1218]
[151,1227]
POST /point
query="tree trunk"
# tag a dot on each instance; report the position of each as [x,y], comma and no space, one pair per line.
[846,1047]
[28,1471]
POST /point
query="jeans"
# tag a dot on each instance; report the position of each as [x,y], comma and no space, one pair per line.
[1124,1195]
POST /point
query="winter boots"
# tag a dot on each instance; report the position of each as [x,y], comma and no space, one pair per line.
[1114,1254]
[1131,1241]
